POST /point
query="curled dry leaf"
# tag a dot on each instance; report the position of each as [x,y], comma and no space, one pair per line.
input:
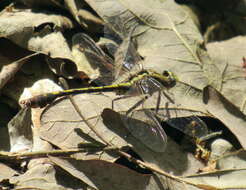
[22,25]
[8,71]
[10,62]
[39,32]
[226,112]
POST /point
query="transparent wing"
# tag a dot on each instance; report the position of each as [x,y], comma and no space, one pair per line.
[186,121]
[159,100]
[149,85]
[126,57]
[144,126]
[96,57]
[192,126]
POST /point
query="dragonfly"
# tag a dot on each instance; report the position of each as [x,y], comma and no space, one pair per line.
[125,75]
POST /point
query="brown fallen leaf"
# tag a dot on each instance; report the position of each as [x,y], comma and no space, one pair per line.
[226,112]
[100,174]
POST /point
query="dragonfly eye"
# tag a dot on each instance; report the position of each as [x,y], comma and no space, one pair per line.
[166,73]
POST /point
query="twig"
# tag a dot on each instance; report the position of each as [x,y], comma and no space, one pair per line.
[25,155]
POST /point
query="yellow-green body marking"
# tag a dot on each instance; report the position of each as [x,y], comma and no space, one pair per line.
[44,99]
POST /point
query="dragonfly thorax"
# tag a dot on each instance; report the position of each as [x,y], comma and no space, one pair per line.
[167,78]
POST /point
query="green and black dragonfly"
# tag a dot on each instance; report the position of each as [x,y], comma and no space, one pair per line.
[124,75]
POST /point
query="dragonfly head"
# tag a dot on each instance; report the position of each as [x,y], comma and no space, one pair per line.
[169,78]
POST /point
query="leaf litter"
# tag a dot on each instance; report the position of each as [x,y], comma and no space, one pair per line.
[167,39]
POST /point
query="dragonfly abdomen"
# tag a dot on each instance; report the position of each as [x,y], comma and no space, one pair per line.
[45,99]
[39,100]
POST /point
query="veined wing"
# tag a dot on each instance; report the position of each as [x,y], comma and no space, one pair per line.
[184,120]
[96,57]
[192,126]
[144,126]
[127,57]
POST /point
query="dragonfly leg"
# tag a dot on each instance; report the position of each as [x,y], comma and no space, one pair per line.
[140,102]
[158,102]
[168,97]
[119,98]
[124,97]
[142,96]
